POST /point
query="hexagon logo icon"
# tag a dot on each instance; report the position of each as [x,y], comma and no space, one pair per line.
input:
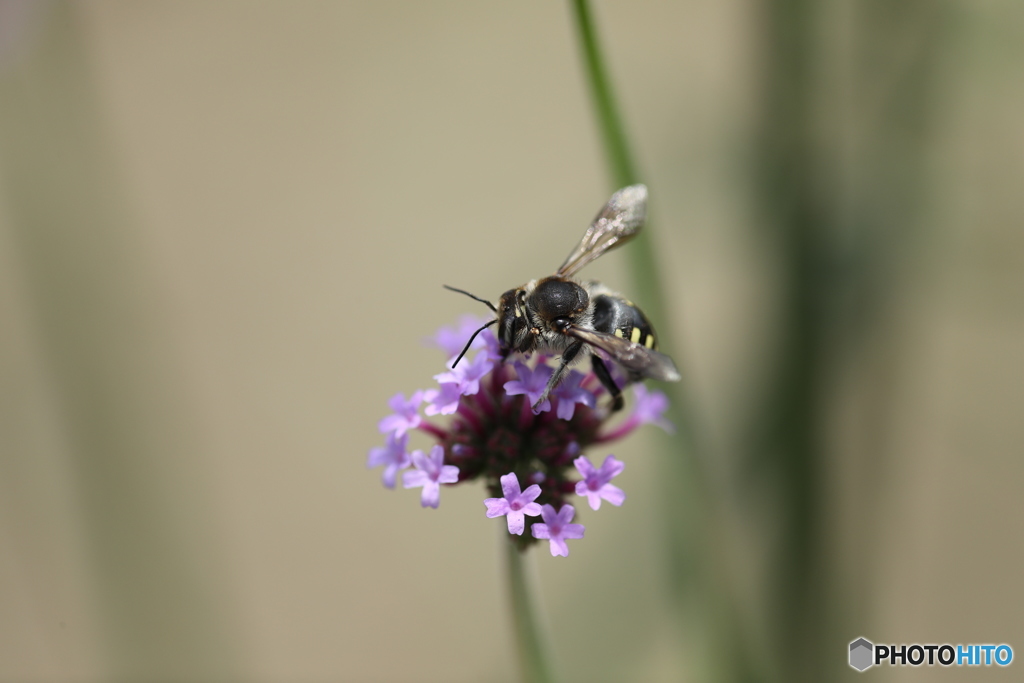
[862,653]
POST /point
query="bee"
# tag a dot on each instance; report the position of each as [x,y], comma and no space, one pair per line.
[558,314]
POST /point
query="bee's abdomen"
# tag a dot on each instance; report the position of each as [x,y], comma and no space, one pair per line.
[621,317]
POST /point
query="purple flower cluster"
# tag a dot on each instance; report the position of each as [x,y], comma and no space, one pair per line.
[494,435]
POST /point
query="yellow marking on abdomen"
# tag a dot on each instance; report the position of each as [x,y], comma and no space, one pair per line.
[649,342]
[635,337]
[618,332]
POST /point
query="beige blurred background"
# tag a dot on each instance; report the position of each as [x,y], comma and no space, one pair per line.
[223,232]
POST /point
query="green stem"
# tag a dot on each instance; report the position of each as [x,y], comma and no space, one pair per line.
[643,265]
[644,272]
[533,659]
[698,540]
[620,161]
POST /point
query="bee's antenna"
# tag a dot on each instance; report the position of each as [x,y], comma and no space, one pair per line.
[474,297]
[470,342]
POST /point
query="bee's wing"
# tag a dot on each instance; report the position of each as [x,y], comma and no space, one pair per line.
[618,221]
[634,357]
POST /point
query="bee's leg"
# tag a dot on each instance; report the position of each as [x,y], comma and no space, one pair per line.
[568,356]
[601,370]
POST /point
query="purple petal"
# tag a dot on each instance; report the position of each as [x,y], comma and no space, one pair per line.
[449,475]
[392,455]
[566,514]
[650,408]
[543,407]
[584,467]
[593,497]
[569,393]
[540,531]
[611,468]
[572,531]
[467,375]
[405,416]
[482,364]
[397,403]
[529,495]
[496,507]
[516,523]
[378,457]
[571,382]
[397,424]
[491,343]
[437,457]
[514,387]
[527,385]
[613,494]
[443,401]
[540,378]
[531,509]
[414,478]
[510,487]
[389,475]
[403,407]
[451,340]
[431,496]
[420,461]
[558,547]
[532,382]
[524,372]
[549,515]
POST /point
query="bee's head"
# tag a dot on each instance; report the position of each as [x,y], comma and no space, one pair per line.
[514,322]
[558,303]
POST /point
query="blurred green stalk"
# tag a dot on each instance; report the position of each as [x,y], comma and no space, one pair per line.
[697,538]
[837,214]
[533,660]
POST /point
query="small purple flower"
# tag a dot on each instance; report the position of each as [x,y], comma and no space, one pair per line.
[430,472]
[557,529]
[531,383]
[595,484]
[515,504]
[406,414]
[467,375]
[572,449]
[456,383]
[569,393]
[451,340]
[443,401]
[393,456]
[650,408]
